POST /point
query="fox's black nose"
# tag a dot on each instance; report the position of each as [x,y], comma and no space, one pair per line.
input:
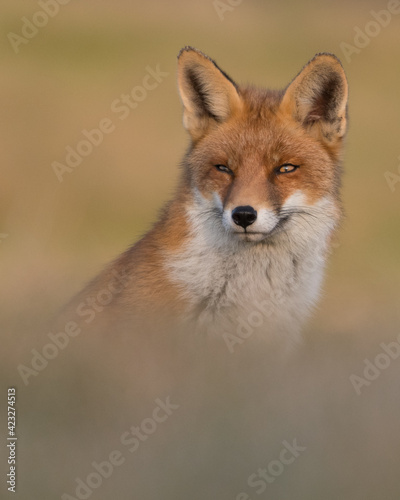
[244,216]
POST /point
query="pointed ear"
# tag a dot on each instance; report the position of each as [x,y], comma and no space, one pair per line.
[317,98]
[208,95]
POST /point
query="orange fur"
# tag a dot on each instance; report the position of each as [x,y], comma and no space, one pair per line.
[252,132]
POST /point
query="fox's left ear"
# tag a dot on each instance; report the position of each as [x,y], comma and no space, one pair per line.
[317,98]
[208,95]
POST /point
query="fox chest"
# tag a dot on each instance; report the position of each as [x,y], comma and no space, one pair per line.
[221,286]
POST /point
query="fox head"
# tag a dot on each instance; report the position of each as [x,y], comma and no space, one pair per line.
[260,161]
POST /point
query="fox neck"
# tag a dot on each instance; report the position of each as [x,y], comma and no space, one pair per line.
[223,280]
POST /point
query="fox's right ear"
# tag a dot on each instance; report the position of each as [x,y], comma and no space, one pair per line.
[208,95]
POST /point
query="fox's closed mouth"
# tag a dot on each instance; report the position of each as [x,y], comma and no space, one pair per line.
[250,232]
[274,230]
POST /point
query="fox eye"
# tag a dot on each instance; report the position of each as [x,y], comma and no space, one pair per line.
[286,168]
[223,168]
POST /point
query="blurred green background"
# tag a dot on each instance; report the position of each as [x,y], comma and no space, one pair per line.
[56,236]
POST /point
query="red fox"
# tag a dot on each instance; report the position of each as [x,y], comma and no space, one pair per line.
[245,239]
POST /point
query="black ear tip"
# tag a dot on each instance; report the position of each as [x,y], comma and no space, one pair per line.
[327,55]
[189,48]
[186,48]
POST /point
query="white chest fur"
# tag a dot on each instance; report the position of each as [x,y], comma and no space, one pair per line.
[228,284]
